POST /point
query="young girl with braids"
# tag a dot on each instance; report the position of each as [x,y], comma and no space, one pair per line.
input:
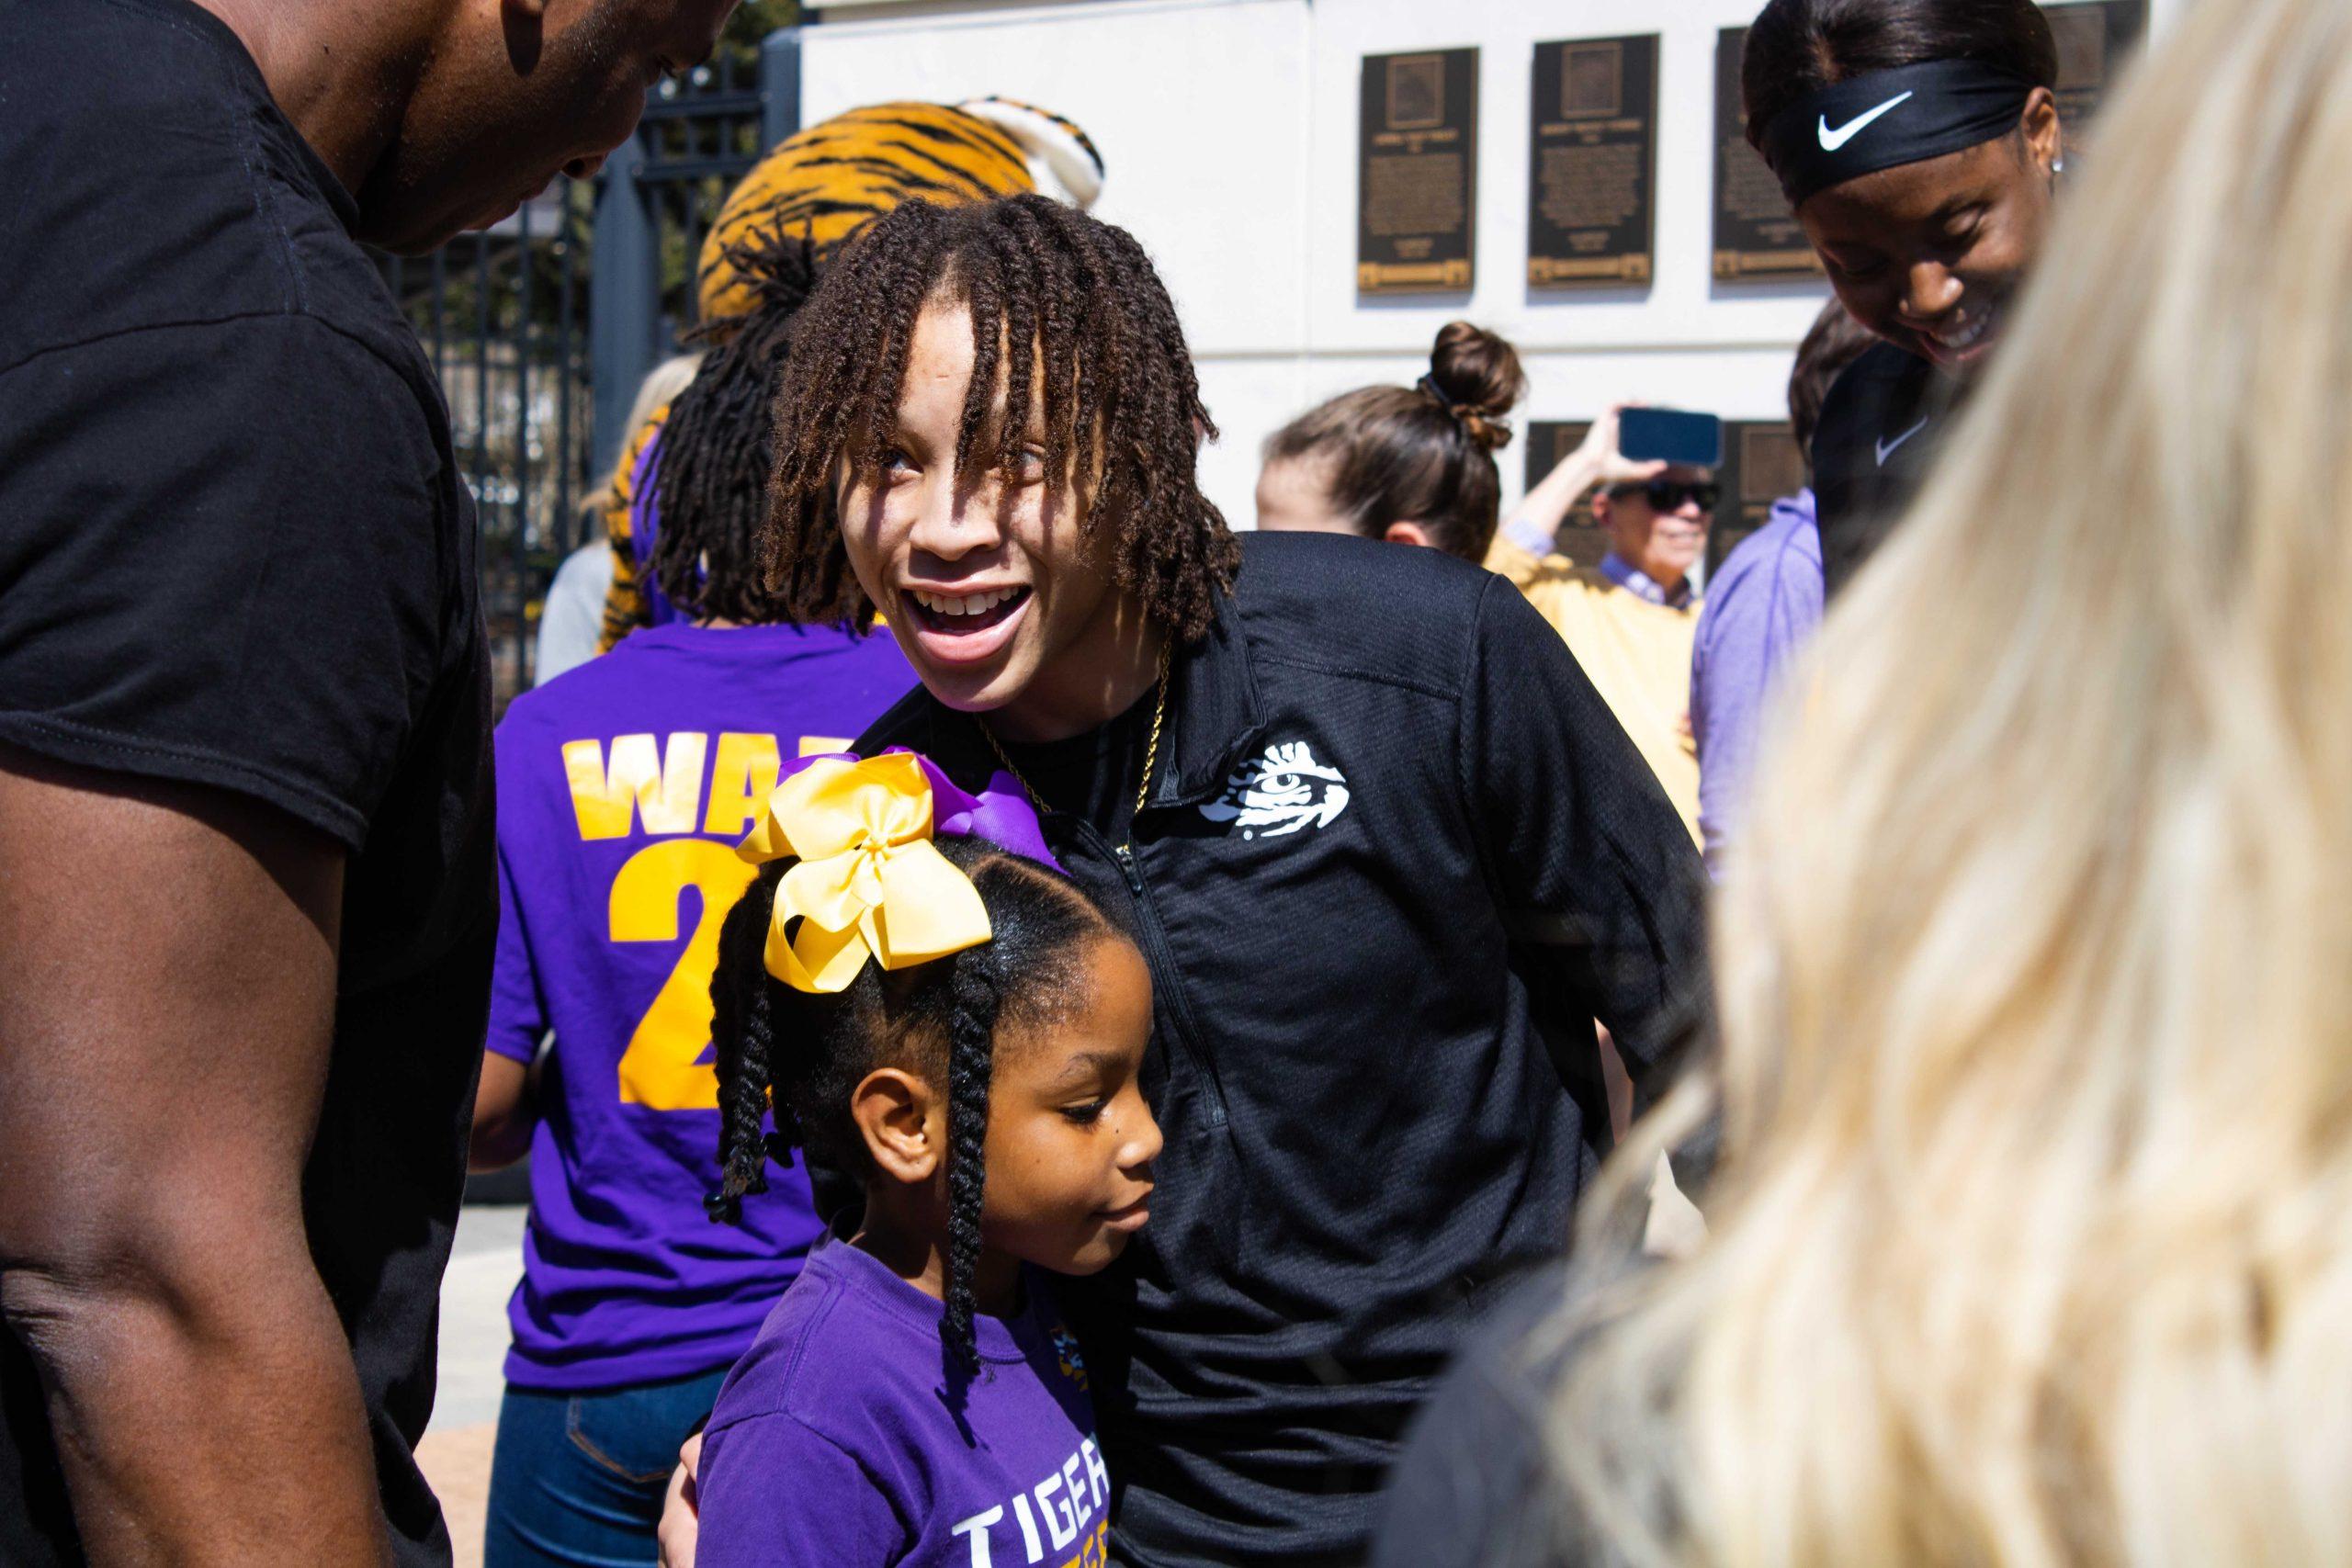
[962,1028]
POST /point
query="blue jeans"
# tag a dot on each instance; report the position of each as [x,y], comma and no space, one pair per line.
[577,1479]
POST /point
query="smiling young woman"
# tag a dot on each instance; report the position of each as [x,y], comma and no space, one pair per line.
[1920,145]
[1383,847]
[1034,539]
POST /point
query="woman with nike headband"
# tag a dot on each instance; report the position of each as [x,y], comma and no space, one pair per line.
[1919,145]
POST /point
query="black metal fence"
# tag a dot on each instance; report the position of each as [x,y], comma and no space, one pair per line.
[542,327]
[503,315]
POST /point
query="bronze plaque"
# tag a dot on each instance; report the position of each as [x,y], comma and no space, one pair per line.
[2093,40]
[1417,173]
[1592,162]
[1756,234]
[1761,464]
[1548,441]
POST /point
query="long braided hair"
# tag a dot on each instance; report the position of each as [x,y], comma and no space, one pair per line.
[711,481]
[1057,297]
[807,1053]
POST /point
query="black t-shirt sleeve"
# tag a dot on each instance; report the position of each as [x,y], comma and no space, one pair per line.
[1590,859]
[225,561]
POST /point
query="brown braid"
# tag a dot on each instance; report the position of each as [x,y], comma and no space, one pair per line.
[1122,408]
[711,479]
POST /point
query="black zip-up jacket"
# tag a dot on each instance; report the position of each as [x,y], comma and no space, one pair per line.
[1397,855]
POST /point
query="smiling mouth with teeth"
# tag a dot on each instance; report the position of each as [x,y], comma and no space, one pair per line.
[963,612]
[1972,333]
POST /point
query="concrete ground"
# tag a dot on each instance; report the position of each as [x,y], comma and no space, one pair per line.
[483,1267]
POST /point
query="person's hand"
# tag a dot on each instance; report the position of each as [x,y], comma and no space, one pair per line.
[681,1520]
[1609,466]
[1548,503]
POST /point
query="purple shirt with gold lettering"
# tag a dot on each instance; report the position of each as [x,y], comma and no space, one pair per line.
[623,787]
[834,1443]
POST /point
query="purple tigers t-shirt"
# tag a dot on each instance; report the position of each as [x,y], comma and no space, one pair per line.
[623,787]
[834,1442]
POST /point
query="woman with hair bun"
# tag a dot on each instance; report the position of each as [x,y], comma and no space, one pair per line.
[1416,466]
[1412,465]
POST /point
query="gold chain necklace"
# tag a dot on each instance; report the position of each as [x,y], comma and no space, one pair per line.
[1150,755]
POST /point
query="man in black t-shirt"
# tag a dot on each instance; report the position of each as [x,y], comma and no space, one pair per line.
[246,893]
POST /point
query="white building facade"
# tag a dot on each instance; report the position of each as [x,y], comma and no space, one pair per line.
[1229,130]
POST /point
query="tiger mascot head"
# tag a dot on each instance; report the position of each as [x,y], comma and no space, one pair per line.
[829,181]
[758,262]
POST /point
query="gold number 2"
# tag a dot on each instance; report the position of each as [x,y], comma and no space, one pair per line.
[659,1069]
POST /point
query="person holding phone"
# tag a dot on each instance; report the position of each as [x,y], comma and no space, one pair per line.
[1919,145]
[1630,619]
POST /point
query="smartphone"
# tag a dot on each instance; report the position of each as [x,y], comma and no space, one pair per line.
[1691,440]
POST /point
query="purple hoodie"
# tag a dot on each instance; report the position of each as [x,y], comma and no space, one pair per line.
[1761,607]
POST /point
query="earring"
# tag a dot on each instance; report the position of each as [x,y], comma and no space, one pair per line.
[2058,165]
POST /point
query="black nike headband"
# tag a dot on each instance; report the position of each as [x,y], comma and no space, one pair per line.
[1888,118]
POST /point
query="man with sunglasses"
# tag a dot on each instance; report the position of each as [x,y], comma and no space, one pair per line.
[1630,618]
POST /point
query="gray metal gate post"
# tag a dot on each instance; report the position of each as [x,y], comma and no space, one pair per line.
[779,85]
[624,291]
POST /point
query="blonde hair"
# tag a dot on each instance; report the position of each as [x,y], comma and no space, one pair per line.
[654,395]
[2032,1243]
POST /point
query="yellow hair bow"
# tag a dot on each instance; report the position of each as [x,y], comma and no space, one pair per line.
[870,881]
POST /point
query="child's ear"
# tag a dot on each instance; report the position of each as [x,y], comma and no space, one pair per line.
[902,1123]
[1409,534]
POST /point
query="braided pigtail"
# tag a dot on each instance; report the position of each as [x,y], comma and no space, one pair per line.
[711,484]
[971,1051]
[742,1037]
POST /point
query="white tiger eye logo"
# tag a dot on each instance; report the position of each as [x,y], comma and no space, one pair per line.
[1280,793]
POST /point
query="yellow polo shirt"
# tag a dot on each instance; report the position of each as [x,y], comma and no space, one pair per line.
[1636,654]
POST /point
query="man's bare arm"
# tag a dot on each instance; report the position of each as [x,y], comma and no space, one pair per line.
[165,1028]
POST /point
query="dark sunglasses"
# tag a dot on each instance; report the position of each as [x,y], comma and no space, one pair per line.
[1666,495]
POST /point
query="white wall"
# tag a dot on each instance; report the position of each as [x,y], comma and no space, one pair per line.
[1228,128]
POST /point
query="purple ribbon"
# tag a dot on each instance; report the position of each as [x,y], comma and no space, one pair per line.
[1001,814]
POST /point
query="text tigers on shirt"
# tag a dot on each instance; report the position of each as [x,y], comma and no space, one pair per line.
[1068,1501]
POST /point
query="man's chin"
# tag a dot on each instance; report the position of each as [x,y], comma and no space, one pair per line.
[402,236]
[392,219]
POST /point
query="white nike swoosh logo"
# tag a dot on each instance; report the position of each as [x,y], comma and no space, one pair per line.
[1833,140]
[1887,448]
